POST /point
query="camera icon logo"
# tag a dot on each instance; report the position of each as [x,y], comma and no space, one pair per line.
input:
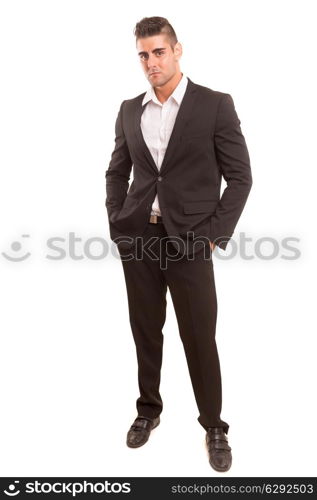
[12,490]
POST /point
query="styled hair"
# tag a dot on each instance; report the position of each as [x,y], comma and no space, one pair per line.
[150,26]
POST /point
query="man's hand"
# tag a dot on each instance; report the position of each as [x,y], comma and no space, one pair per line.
[212,245]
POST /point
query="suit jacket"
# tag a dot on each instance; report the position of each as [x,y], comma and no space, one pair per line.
[206,144]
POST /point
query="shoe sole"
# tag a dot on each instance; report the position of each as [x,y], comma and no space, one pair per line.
[141,444]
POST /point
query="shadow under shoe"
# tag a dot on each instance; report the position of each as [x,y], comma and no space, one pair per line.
[219,451]
[140,431]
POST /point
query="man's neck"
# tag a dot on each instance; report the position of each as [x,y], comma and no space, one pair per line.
[163,93]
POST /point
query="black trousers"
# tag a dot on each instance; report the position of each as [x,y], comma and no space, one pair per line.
[192,288]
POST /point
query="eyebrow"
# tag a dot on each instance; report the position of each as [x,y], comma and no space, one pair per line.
[155,50]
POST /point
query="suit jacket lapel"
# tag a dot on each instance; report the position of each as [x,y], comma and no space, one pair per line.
[139,136]
[183,116]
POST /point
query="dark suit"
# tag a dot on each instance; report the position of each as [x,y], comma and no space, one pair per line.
[206,144]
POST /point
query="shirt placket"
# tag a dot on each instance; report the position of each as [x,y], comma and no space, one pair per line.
[162,134]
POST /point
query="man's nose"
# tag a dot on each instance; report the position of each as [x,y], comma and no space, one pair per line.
[151,61]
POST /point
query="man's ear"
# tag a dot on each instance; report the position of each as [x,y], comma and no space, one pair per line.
[178,50]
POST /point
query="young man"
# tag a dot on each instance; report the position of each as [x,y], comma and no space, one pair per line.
[181,139]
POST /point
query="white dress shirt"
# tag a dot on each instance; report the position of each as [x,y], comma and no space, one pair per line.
[157,122]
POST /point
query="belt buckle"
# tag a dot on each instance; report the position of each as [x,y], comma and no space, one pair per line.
[153,219]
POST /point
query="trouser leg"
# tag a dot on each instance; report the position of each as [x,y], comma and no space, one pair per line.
[146,291]
[192,287]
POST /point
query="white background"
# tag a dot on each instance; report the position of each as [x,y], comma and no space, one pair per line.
[68,363]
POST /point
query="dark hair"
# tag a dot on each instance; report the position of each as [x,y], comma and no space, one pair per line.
[150,26]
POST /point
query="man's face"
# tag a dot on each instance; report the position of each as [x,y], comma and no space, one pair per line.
[158,60]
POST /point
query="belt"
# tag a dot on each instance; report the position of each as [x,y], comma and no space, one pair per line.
[154,219]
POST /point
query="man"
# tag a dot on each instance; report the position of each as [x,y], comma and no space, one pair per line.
[181,139]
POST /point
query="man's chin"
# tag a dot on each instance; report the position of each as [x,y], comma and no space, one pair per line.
[155,80]
[157,83]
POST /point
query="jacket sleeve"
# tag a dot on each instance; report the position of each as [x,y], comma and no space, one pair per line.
[234,164]
[118,173]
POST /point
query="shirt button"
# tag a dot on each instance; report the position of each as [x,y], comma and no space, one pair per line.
[159,178]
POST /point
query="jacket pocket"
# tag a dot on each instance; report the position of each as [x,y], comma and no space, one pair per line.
[190,137]
[196,207]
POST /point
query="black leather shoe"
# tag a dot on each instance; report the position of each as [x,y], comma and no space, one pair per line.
[219,451]
[140,431]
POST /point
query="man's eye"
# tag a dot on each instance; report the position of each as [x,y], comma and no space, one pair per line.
[143,57]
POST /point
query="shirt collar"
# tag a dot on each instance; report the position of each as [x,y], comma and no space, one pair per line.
[177,94]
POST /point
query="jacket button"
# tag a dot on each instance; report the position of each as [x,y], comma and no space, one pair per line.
[159,178]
